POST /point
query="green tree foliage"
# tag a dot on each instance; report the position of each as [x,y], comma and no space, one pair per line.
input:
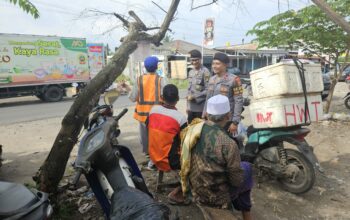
[27,6]
[311,30]
[308,28]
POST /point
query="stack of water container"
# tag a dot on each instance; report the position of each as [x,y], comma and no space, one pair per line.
[279,98]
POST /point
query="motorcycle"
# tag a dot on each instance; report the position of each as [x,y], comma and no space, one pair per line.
[347,97]
[294,169]
[18,202]
[265,148]
[112,171]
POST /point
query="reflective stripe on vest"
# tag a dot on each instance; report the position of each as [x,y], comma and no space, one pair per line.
[149,95]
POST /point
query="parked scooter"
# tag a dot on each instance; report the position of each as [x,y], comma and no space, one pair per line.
[347,97]
[112,171]
[18,202]
[294,169]
[265,148]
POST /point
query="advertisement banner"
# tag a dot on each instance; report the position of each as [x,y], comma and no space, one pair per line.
[29,59]
[96,58]
[209,32]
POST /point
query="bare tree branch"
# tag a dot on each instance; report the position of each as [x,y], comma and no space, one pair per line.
[138,20]
[52,170]
[156,38]
[125,22]
[111,29]
[159,7]
[200,6]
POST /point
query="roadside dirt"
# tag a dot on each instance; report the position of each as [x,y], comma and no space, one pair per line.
[25,146]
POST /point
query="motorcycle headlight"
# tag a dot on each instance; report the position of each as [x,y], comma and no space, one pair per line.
[95,141]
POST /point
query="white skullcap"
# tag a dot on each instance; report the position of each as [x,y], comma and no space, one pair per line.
[218,105]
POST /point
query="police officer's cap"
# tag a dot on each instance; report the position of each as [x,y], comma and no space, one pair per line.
[195,54]
[221,57]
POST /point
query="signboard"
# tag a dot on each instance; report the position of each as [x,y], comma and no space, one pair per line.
[96,58]
[28,59]
[209,32]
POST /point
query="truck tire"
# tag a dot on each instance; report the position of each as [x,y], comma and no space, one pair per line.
[53,94]
[40,96]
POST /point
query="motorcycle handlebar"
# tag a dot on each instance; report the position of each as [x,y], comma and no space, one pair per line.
[121,114]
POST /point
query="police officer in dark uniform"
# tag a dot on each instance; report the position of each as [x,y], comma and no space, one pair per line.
[229,85]
[198,83]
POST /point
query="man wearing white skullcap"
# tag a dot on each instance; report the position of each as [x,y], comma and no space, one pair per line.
[215,160]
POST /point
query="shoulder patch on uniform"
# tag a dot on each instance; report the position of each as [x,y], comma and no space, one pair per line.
[237,88]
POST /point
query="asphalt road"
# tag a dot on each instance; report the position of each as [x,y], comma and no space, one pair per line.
[22,109]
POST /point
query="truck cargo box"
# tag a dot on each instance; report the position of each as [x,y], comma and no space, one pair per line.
[38,60]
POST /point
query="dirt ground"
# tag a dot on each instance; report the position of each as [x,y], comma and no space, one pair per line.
[25,146]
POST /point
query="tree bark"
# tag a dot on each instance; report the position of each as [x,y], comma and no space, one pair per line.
[52,170]
[337,76]
[335,17]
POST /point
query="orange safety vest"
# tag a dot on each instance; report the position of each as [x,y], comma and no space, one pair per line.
[149,94]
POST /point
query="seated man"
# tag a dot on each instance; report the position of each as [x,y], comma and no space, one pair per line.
[210,162]
[164,125]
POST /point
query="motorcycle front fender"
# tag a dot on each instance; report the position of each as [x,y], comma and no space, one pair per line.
[96,187]
[307,150]
[347,95]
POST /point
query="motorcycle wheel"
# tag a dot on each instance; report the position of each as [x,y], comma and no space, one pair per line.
[302,179]
[347,102]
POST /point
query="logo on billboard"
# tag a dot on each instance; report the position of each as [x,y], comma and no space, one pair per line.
[95,49]
[77,43]
[5,59]
[82,59]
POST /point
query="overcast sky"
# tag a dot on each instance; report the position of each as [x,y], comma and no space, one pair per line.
[233,18]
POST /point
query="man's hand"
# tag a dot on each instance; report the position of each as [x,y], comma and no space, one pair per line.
[233,129]
[190,98]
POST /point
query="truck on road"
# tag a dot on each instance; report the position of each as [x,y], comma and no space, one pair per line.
[43,66]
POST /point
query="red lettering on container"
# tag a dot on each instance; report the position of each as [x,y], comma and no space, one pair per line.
[290,114]
[316,111]
[301,112]
[260,118]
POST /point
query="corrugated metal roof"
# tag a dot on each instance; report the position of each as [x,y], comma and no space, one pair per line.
[182,47]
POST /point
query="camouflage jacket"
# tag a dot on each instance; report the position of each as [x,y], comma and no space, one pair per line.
[230,86]
[215,167]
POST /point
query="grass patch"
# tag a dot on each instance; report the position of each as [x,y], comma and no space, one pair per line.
[125,78]
[65,210]
[180,83]
[30,185]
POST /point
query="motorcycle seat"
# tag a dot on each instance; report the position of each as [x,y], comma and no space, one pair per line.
[297,130]
[131,203]
[15,198]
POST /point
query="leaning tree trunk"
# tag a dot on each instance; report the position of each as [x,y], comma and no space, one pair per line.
[52,170]
[334,16]
[335,81]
